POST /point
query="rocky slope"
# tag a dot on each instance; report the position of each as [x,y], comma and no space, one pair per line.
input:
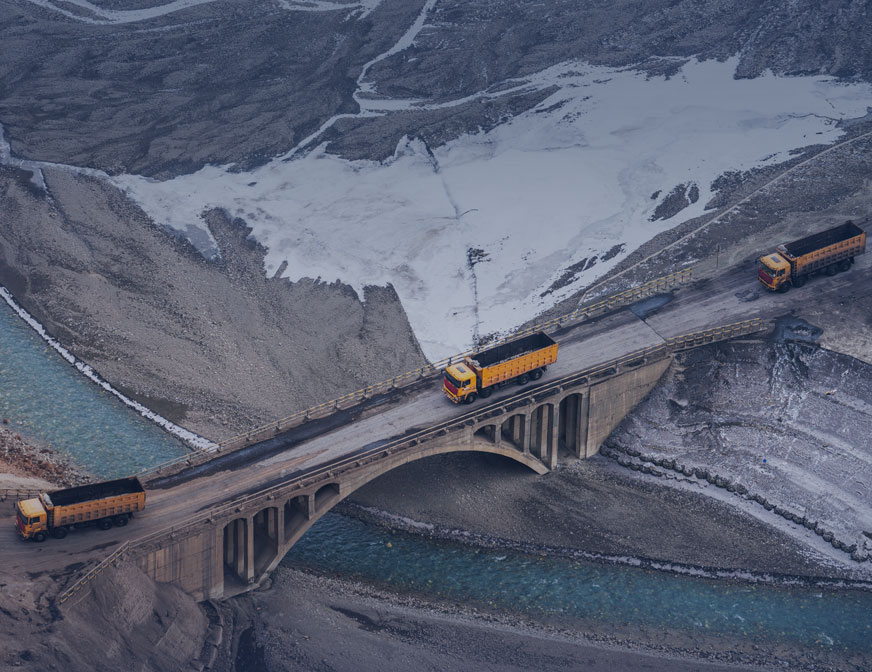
[167,95]
[213,345]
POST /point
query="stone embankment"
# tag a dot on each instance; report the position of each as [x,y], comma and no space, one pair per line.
[23,463]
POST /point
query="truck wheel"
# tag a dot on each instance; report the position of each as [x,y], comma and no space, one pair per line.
[39,536]
[59,532]
[523,379]
[470,398]
[485,393]
[831,270]
[104,523]
[800,281]
[783,288]
[536,375]
[120,521]
[844,265]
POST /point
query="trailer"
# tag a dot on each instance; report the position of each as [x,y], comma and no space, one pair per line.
[519,361]
[102,504]
[830,252]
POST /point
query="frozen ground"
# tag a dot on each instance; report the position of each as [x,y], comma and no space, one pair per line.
[485,232]
[788,423]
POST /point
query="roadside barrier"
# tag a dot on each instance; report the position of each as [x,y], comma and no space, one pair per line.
[13,496]
[350,399]
[116,557]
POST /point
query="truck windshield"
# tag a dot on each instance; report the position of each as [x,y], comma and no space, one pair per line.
[21,519]
[451,379]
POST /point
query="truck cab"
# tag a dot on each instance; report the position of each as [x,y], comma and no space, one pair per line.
[773,270]
[31,519]
[459,382]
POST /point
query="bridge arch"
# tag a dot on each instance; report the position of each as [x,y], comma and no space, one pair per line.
[302,511]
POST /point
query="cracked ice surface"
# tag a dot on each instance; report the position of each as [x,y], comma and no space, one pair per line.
[567,181]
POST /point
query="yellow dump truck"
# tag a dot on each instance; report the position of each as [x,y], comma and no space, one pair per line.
[830,252]
[101,504]
[518,361]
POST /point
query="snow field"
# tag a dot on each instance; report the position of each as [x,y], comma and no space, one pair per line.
[537,194]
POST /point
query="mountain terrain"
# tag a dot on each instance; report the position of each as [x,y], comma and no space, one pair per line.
[235,211]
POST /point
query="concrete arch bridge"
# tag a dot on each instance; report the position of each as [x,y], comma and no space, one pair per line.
[229,546]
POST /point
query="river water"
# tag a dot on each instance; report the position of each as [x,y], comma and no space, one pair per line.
[47,400]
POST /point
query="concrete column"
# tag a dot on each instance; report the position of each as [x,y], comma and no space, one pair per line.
[542,432]
[553,428]
[517,431]
[280,525]
[582,424]
[527,431]
[310,506]
[241,547]
[272,527]
[214,586]
[570,423]
[230,544]
[498,434]
[248,573]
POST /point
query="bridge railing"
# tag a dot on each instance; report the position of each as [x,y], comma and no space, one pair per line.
[13,495]
[338,466]
[350,399]
[116,557]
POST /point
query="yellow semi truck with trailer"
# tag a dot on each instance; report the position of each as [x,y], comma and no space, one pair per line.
[102,504]
[831,251]
[519,361]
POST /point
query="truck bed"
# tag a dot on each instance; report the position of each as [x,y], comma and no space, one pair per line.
[506,351]
[823,239]
[92,491]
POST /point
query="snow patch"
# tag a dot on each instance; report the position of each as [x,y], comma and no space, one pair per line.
[566,181]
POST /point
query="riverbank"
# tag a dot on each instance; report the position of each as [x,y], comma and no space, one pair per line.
[338,624]
[25,466]
[705,413]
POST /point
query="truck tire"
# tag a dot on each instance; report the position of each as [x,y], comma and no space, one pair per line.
[104,523]
[536,374]
[783,288]
[470,398]
[844,265]
[120,520]
[485,393]
[39,537]
[799,281]
[831,270]
[59,532]
[523,379]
